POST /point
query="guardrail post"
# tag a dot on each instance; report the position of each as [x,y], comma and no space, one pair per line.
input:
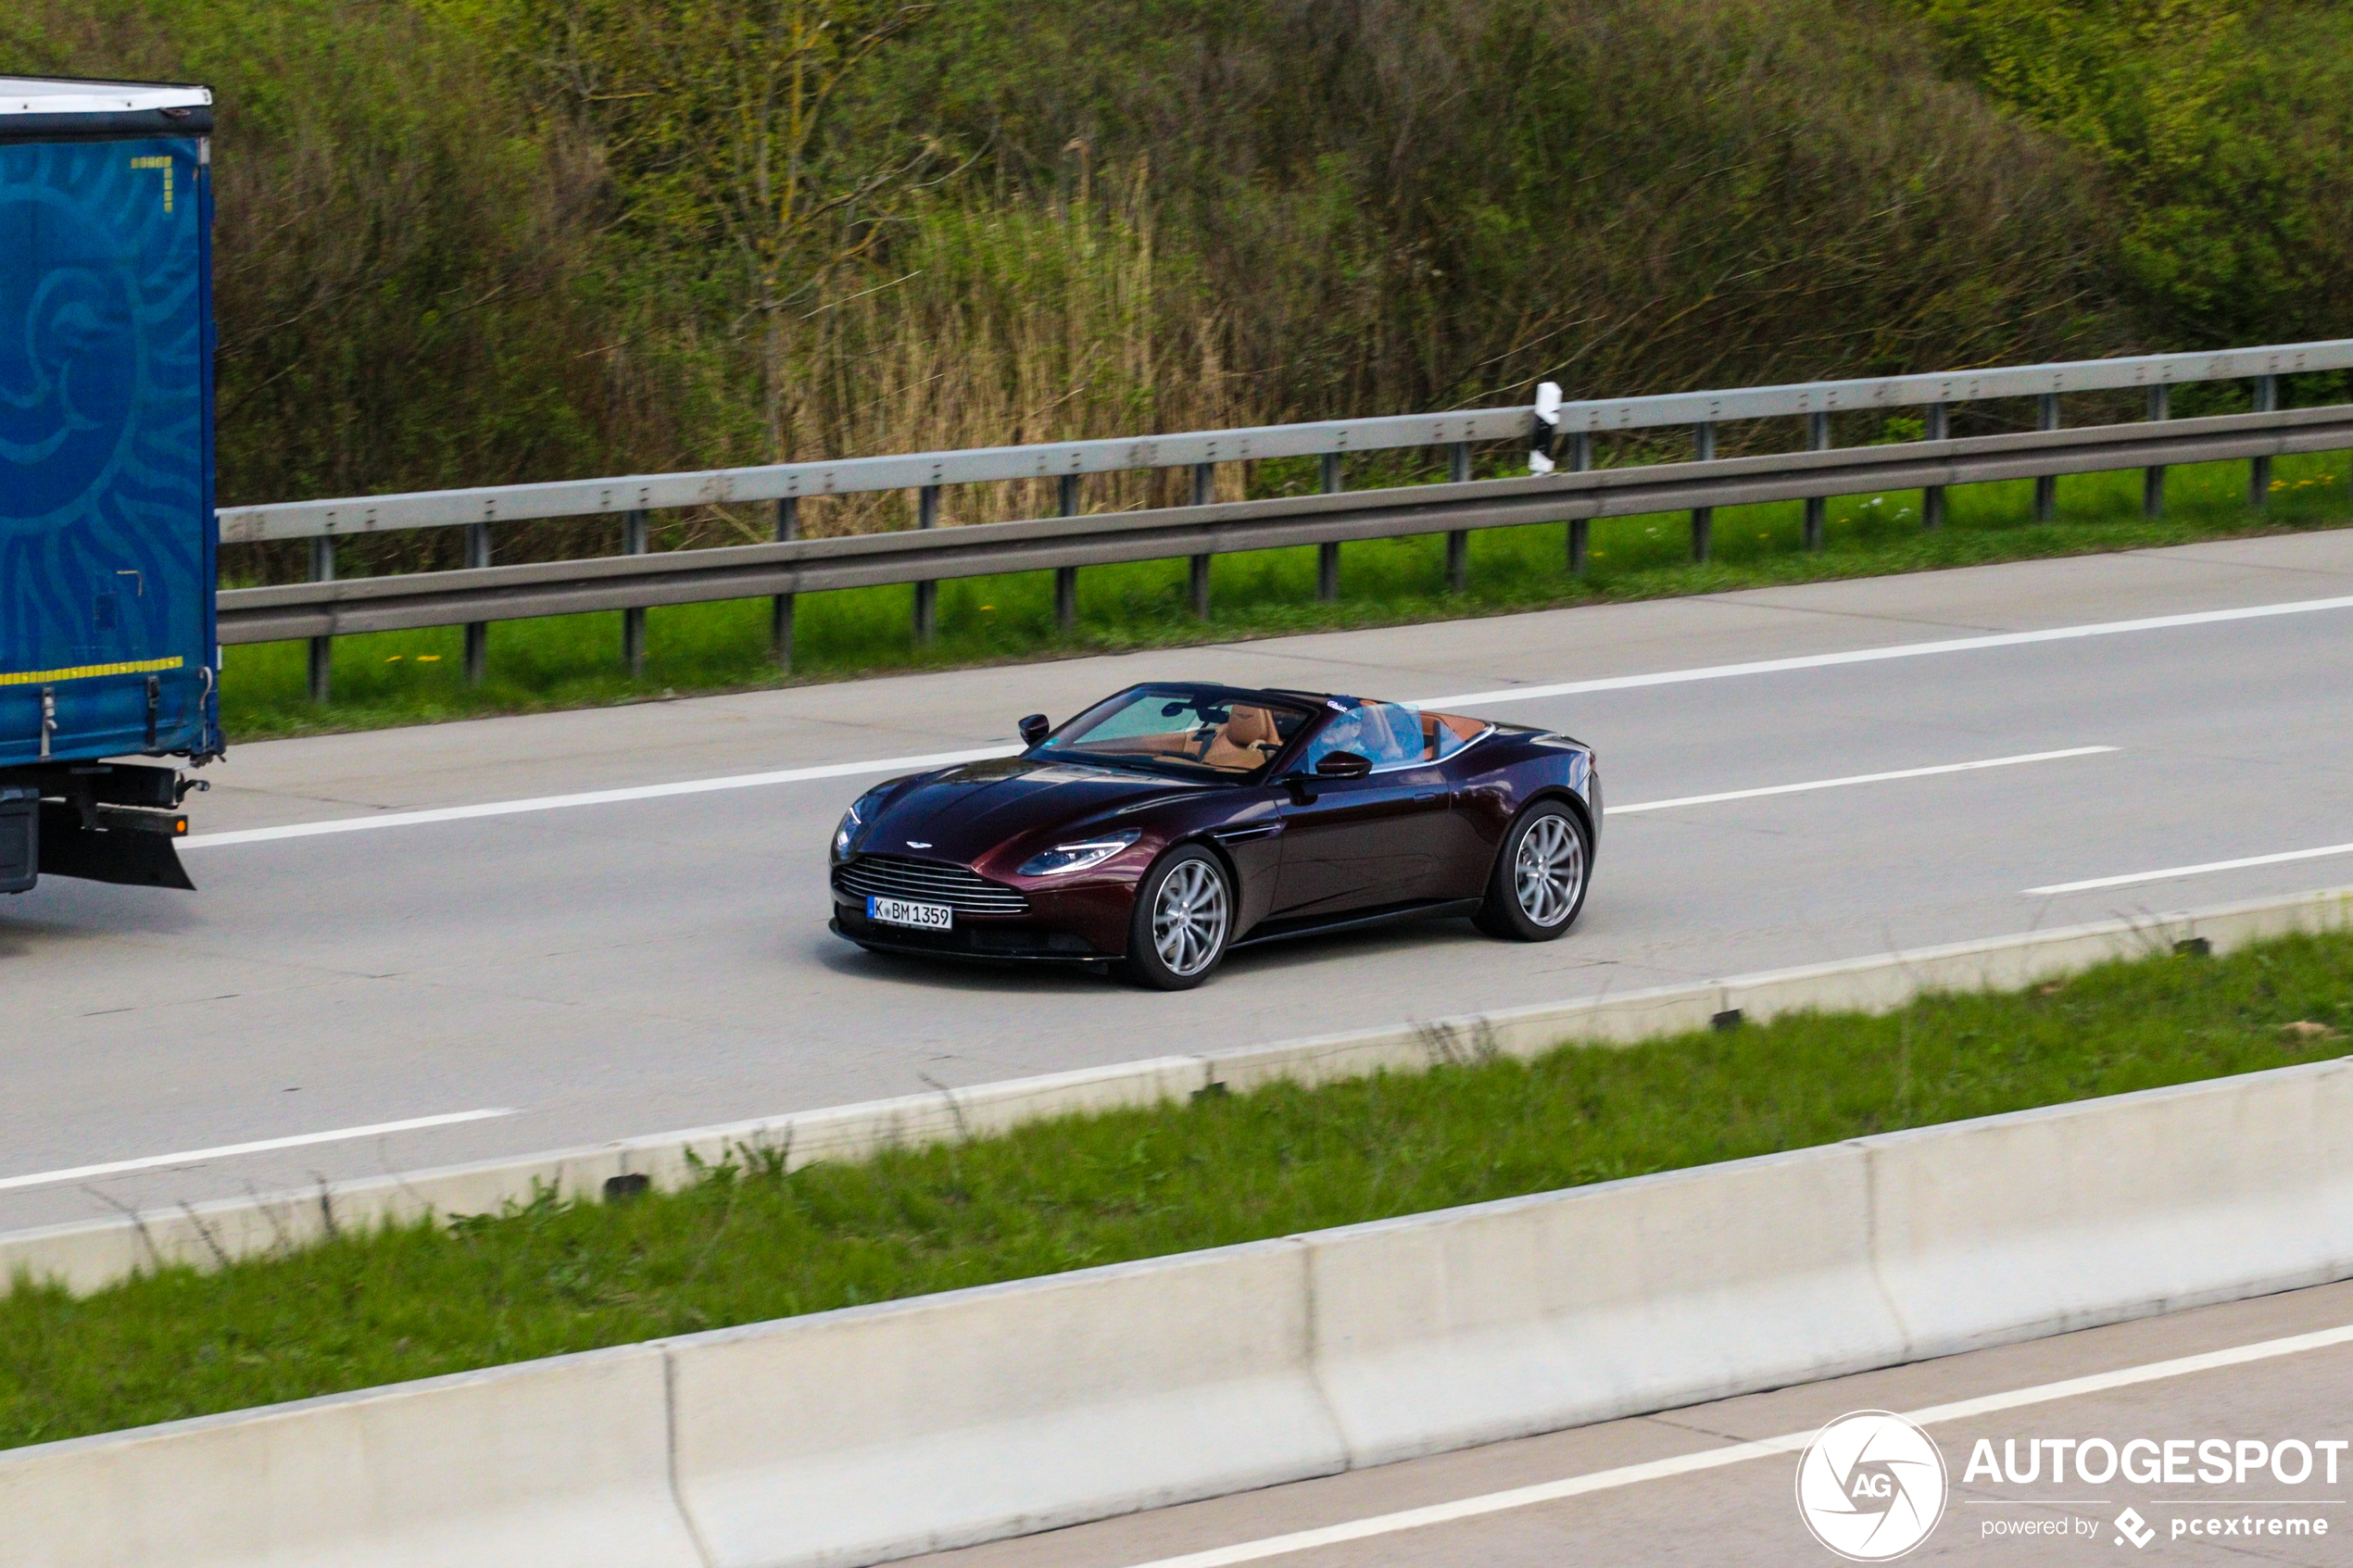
[2153,480]
[2046,487]
[1197,568]
[780,608]
[1580,458]
[1939,428]
[1702,518]
[477,632]
[1067,577]
[1817,439]
[1458,471]
[322,649]
[633,621]
[927,591]
[1327,555]
[2258,470]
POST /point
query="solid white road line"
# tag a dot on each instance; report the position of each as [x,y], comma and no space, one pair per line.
[1737,1453]
[593,797]
[1900,650]
[263,1146]
[2172,872]
[1507,694]
[1857,779]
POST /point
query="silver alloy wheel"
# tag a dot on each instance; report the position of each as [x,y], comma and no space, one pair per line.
[1549,872]
[1189,918]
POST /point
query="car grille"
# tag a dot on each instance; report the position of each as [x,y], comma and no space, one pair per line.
[928,882]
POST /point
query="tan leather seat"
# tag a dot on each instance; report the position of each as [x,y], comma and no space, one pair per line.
[1243,742]
[1445,733]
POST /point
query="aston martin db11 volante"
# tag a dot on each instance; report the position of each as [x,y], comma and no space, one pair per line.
[1170,823]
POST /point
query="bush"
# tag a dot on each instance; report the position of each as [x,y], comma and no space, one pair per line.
[476,241]
[2226,126]
[397,250]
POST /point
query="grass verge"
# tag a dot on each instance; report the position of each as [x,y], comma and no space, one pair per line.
[402,678]
[751,1243]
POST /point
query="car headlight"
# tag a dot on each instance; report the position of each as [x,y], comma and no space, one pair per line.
[854,822]
[1080,854]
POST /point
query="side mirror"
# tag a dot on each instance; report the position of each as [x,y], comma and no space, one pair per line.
[1343,765]
[1033,729]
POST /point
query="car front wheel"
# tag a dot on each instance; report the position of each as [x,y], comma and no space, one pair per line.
[1537,884]
[1184,918]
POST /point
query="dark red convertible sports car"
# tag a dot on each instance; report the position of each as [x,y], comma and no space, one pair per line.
[1171,822]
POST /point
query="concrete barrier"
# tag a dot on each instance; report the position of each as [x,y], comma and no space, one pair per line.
[2017,1226]
[856,1437]
[556,1462]
[1443,1331]
[849,1438]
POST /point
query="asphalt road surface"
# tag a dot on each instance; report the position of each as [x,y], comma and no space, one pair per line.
[365,954]
[1715,1486]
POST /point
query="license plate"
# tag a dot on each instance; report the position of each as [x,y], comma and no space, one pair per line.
[900,912]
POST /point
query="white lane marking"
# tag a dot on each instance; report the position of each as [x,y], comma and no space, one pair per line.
[1899,650]
[1508,694]
[1736,1453]
[2169,873]
[592,797]
[1858,779]
[263,1146]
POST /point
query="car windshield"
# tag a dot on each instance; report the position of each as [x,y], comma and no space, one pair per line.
[1223,733]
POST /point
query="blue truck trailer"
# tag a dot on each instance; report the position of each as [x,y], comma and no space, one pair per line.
[107,538]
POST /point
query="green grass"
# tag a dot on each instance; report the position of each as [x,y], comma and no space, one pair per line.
[573,661]
[753,1244]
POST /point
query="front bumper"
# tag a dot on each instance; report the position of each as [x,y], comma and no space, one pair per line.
[996,941]
[1035,920]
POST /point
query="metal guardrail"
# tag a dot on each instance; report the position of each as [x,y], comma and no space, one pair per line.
[326,608]
[382,604]
[609,498]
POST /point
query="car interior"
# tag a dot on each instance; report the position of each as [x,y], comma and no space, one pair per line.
[1388,735]
[1446,734]
[1240,738]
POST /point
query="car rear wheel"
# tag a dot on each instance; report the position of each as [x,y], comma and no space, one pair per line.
[1184,918]
[1537,884]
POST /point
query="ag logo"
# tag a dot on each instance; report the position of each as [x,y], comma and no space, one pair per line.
[1871,1486]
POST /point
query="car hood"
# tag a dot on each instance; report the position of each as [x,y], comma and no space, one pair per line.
[963,813]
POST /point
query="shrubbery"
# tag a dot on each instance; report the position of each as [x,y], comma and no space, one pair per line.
[2227,127]
[487,240]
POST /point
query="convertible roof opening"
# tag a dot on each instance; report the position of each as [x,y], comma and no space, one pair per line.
[1212,731]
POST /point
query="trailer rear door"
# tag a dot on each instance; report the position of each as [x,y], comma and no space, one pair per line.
[107,533]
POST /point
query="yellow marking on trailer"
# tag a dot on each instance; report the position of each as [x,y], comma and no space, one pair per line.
[88,672]
[164,164]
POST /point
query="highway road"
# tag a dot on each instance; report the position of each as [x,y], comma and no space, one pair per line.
[365,954]
[1714,1485]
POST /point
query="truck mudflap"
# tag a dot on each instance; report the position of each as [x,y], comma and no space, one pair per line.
[102,822]
[133,847]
